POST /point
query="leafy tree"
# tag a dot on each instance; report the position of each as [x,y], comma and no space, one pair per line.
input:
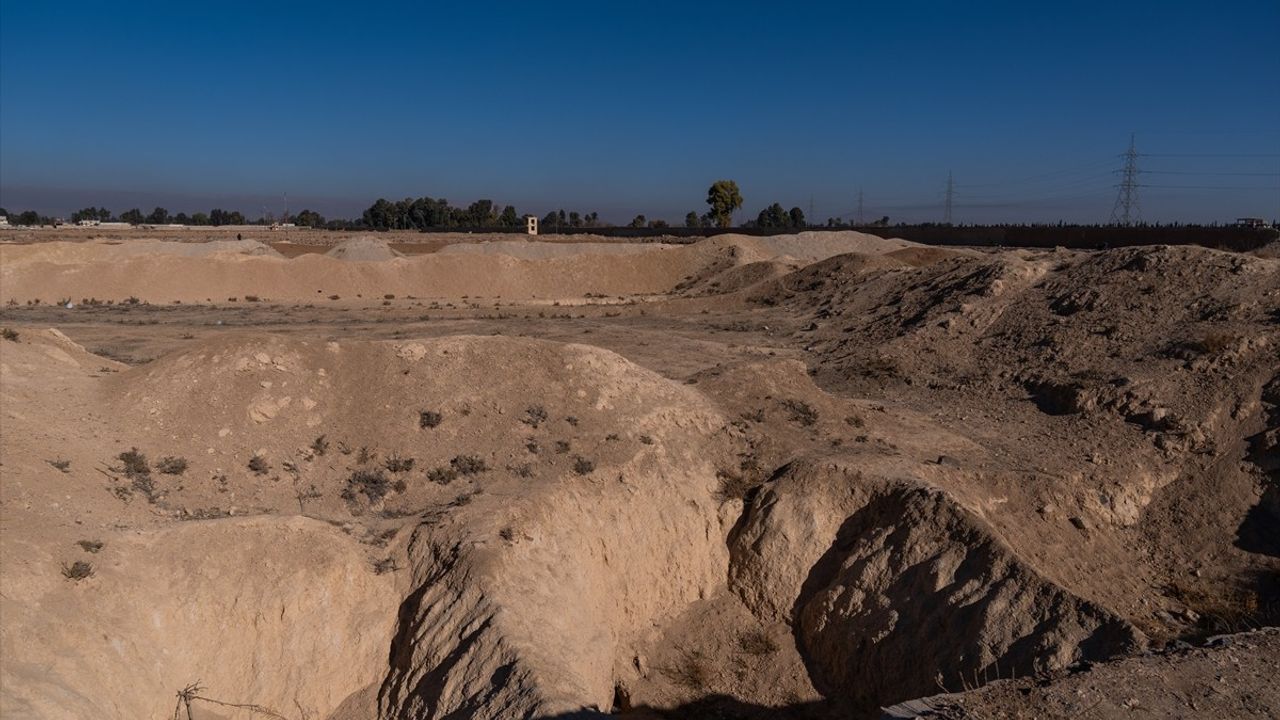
[309,218]
[797,218]
[637,222]
[159,216]
[509,217]
[91,213]
[692,220]
[550,221]
[182,219]
[199,219]
[480,214]
[30,218]
[724,197]
[575,220]
[592,219]
[658,224]
[773,217]
[133,217]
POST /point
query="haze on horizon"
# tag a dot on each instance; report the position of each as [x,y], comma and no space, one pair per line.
[626,110]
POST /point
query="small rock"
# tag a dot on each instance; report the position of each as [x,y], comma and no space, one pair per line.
[1079,523]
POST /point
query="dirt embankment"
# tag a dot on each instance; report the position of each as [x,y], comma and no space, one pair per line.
[980,466]
[368,269]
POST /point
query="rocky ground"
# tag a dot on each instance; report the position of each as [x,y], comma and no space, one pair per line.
[796,477]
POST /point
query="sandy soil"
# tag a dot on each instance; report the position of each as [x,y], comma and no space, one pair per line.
[807,476]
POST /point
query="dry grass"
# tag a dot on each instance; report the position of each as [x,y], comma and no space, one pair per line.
[77,571]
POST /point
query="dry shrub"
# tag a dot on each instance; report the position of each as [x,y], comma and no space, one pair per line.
[468,464]
[692,671]
[757,642]
[373,484]
[259,465]
[429,419]
[801,412]
[77,571]
[170,465]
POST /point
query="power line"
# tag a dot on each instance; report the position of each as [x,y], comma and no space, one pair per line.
[1126,209]
[1212,155]
[1186,172]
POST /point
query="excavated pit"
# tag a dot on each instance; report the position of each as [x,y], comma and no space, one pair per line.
[499,527]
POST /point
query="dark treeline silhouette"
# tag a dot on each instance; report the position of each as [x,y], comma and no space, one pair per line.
[429,213]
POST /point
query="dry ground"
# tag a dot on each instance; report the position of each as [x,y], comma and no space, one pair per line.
[808,477]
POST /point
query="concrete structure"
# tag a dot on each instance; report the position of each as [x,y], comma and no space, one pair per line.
[531,224]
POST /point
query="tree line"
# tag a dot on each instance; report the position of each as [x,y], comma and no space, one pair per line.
[724,198]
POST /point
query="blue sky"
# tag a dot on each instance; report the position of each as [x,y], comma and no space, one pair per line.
[628,108]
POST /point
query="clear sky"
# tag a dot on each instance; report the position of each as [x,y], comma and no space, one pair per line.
[628,108]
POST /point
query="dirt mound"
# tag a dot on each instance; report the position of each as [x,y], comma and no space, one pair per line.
[533,250]
[1244,666]
[363,249]
[72,253]
[894,584]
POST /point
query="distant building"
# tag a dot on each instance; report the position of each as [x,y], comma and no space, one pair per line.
[1251,222]
[531,224]
[4,221]
[88,223]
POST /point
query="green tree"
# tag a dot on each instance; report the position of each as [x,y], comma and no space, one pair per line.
[797,218]
[637,222]
[692,220]
[724,197]
[658,224]
[199,219]
[773,217]
[509,217]
[309,218]
[133,217]
[159,216]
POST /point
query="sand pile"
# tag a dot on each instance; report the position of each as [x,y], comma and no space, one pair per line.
[165,272]
[532,250]
[364,249]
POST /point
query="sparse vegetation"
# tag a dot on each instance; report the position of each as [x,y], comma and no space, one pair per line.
[800,412]
[133,463]
[90,546]
[733,486]
[691,671]
[373,484]
[259,465]
[534,416]
[646,440]
[77,571]
[365,456]
[429,419]
[396,464]
[468,464]
[384,566]
[63,465]
[10,334]
[170,465]
[583,466]
[562,447]
[757,642]
[320,446]
[442,475]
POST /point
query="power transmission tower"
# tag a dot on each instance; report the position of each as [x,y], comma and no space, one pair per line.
[951,191]
[861,219]
[1126,210]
